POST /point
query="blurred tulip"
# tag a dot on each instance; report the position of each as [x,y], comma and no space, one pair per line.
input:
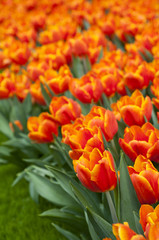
[145,179]
[96,170]
[64,110]
[42,128]
[133,109]
[141,140]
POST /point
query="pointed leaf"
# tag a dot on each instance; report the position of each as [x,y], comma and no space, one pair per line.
[74,221]
[101,226]
[137,223]
[64,180]
[87,198]
[128,199]
[4,127]
[45,95]
[50,190]
[66,233]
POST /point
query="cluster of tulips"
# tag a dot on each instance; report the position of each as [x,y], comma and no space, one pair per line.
[91,68]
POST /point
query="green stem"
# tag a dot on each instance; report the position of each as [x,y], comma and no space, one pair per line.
[114,148]
[111,207]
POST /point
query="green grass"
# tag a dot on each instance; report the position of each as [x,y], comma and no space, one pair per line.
[19,218]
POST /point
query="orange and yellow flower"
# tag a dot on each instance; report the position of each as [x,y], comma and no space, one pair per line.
[87,89]
[96,170]
[42,128]
[141,140]
[145,179]
[64,110]
[133,109]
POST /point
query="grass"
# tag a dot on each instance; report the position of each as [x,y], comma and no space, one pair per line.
[19,218]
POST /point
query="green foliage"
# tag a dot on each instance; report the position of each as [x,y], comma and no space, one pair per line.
[19,218]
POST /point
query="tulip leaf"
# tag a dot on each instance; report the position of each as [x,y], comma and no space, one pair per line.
[94,235]
[45,94]
[87,198]
[33,193]
[77,67]
[50,190]
[154,118]
[101,54]
[4,127]
[66,233]
[128,198]
[74,222]
[106,103]
[137,223]
[101,226]
[118,42]
[27,105]
[64,180]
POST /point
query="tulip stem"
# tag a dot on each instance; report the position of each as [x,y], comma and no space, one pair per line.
[111,207]
[114,148]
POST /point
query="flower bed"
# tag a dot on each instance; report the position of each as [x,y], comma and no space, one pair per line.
[79,112]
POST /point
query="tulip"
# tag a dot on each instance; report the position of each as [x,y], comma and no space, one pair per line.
[42,128]
[96,171]
[149,219]
[141,140]
[124,232]
[105,119]
[64,110]
[145,179]
[133,109]
[87,89]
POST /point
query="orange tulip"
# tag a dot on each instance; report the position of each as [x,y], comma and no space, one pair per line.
[96,170]
[64,110]
[42,128]
[145,179]
[35,90]
[140,78]
[105,119]
[141,140]
[133,109]
[87,89]
[17,123]
[149,219]
[58,82]
[124,232]
[7,86]
[81,138]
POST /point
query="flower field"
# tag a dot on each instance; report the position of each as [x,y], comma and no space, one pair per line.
[79,113]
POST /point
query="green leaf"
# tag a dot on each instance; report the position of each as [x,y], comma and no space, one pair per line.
[33,193]
[4,151]
[45,94]
[101,54]
[4,127]
[128,199]
[87,198]
[18,112]
[118,42]
[101,226]
[137,223]
[66,233]
[50,190]
[74,221]
[77,67]
[106,103]
[154,118]
[94,235]
[27,105]
[86,64]
[64,180]
[86,24]
[20,176]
